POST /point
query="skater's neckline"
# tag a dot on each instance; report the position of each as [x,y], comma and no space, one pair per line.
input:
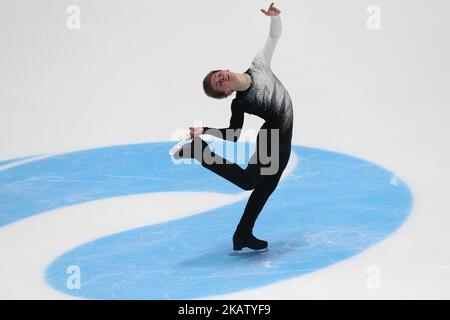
[251,84]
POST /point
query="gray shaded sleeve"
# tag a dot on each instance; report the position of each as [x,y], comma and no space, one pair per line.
[272,40]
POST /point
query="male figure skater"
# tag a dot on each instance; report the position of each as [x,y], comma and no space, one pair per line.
[258,92]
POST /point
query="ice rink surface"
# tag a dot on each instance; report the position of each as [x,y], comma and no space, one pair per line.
[87,186]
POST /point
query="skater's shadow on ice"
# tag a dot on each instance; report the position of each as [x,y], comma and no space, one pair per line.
[220,258]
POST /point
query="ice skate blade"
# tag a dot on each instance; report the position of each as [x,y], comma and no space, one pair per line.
[247,252]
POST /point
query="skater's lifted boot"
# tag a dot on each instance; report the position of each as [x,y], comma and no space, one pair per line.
[194,149]
[249,241]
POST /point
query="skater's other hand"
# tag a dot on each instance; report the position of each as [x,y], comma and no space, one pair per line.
[194,132]
[272,11]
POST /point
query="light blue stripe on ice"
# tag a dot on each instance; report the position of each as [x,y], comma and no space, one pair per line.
[330,208]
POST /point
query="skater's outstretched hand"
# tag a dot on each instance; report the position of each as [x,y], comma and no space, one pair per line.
[194,132]
[272,11]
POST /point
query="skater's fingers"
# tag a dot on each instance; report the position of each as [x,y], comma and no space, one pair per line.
[264,11]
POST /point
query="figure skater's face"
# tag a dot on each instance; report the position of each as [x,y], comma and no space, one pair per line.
[221,81]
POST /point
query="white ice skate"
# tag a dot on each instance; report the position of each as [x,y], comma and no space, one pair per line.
[185,139]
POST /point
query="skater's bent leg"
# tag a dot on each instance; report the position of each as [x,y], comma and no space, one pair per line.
[246,179]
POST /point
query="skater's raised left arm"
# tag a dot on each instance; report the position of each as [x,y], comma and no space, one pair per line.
[274,33]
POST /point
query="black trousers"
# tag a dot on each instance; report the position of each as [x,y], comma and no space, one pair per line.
[259,175]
